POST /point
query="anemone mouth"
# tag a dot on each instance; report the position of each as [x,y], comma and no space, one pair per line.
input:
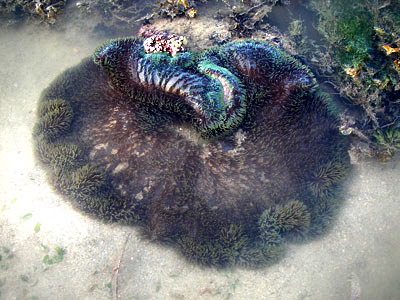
[121,153]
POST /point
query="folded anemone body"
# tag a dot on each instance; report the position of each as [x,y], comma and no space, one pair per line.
[224,153]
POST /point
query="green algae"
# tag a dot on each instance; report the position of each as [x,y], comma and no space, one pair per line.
[361,60]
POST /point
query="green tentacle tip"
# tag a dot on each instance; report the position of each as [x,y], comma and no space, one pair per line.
[55,118]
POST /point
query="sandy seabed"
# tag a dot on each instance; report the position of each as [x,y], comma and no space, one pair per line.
[360,252]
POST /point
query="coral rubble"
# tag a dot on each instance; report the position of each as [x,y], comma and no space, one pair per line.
[173,8]
[45,9]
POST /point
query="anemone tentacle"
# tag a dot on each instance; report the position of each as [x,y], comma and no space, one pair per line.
[114,134]
[264,63]
[214,94]
[233,98]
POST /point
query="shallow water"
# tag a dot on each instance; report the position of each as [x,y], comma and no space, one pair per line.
[102,260]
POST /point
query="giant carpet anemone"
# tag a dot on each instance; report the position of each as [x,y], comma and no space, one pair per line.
[225,154]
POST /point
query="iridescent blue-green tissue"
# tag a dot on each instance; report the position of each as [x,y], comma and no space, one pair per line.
[225,154]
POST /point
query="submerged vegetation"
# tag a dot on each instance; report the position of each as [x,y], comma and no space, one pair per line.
[388,140]
[361,59]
